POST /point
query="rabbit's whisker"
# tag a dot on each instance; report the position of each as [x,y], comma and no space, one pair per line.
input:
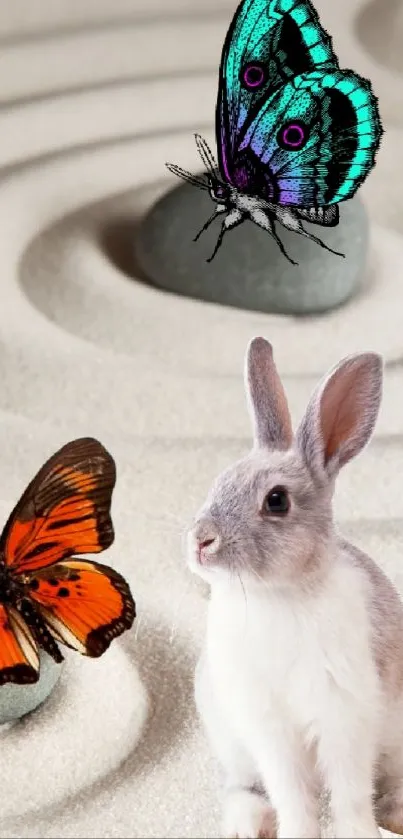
[264,582]
[243,588]
[169,530]
[245,597]
[177,610]
[138,624]
[170,518]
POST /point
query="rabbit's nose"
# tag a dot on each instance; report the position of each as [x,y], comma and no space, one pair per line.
[208,542]
[205,543]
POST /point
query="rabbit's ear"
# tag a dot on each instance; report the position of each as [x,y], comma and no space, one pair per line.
[267,401]
[341,414]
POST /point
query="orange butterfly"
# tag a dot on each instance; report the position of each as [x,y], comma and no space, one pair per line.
[46,595]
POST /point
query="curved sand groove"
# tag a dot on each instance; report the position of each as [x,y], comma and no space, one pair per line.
[30,748]
[111,56]
[51,19]
[61,298]
[96,96]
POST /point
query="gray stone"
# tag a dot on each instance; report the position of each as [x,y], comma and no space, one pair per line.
[249,270]
[18,700]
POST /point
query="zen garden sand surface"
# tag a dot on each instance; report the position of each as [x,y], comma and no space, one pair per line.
[96,96]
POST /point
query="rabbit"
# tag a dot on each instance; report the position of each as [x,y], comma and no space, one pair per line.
[300,681]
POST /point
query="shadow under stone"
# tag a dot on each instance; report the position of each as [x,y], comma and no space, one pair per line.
[116,240]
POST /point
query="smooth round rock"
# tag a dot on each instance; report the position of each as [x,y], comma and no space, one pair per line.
[18,700]
[249,270]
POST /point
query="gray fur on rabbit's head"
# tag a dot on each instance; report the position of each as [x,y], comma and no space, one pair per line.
[270,514]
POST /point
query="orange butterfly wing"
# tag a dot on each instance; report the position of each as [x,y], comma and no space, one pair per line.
[84,604]
[65,510]
[19,659]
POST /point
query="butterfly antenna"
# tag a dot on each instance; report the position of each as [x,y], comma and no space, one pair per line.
[206,155]
[187,176]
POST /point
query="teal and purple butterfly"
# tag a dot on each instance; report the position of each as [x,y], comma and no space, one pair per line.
[296,135]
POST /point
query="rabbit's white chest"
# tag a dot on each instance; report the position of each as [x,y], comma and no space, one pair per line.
[271,656]
[264,663]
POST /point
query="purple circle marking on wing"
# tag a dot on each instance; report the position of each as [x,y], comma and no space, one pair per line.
[293,136]
[253,76]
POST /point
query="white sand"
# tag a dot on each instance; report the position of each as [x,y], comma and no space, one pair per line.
[95,99]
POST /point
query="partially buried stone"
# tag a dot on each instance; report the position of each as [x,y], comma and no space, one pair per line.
[18,700]
[249,270]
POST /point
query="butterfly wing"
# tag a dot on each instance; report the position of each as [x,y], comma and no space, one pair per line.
[335,119]
[268,43]
[65,509]
[85,604]
[19,659]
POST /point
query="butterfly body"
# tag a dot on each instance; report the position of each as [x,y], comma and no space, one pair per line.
[47,593]
[240,206]
[37,626]
[295,134]
[11,590]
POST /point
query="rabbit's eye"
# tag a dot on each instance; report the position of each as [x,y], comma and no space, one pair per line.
[277,502]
